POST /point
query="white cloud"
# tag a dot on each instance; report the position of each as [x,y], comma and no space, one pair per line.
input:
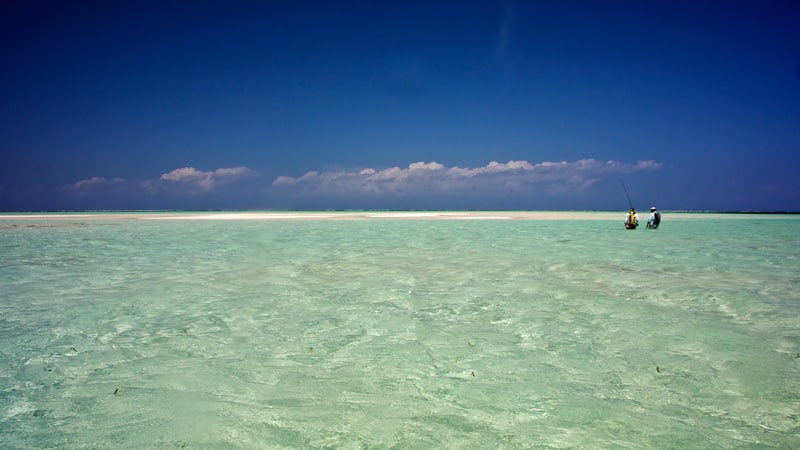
[433,177]
[515,183]
[208,180]
[93,183]
[650,164]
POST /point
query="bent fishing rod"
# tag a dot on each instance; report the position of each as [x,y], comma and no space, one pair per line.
[626,192]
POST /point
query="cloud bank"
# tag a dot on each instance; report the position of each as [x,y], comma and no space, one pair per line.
[92,184]
[421,178]
[515,184]
[206,181]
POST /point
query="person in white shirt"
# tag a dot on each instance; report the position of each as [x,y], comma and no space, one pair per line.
[655,218]
[631,220]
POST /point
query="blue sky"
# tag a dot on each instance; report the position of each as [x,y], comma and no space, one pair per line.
[399,105]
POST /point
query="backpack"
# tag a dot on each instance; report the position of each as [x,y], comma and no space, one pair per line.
[657,218]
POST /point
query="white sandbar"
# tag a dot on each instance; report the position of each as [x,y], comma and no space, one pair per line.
[336,215]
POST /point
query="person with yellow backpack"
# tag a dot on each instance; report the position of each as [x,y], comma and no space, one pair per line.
[631,220]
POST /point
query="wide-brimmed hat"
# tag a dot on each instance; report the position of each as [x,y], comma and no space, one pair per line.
[652,208]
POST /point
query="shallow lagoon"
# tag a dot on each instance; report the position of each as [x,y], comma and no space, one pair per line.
[399,331]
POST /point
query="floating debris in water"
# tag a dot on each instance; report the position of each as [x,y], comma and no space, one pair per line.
[116,391]
[658,369]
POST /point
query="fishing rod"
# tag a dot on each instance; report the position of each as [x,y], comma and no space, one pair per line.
[626,192]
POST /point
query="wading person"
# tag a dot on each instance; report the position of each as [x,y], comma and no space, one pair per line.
[655,218]
[631,220]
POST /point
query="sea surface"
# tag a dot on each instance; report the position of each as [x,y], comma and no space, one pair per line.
[399,332]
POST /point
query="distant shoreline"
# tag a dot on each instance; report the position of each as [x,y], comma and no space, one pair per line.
[369,215]
[301,211]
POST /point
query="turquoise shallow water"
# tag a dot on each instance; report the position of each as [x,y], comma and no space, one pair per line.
[388,333]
